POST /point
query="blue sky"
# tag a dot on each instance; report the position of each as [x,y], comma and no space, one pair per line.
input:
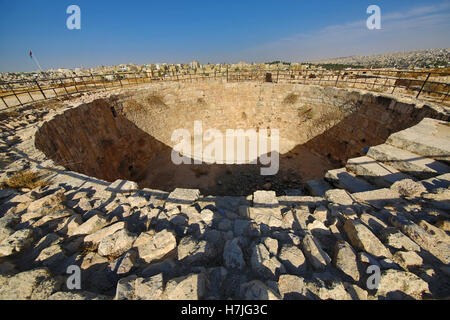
[114,32]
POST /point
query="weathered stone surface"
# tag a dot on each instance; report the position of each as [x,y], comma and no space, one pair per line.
[271,245]
[52,256]
[265,199]
[363,239]
[182,197]
[330,290]
[379,198]
[16,242]
[158,247]
[428,138]
[125,288]
[207,216]
[270,217]
[343,179]
[437,233]
[321,214]
[293,288]
[192,251]
[405,161]
[317,187]
[123,186]
[397,284]
[440,250]
[396,239]
[191,287]
[92,225]
[52,199]
[137,201]
[264,265]
[257,290]
[116,244]
[99,235]
[314,253]
[379,174]
[134,288]
[345,260]
[293,259]
[149,289]
[124,264]
[36,284]
[339,197]
[444,225]
[375,224]
[356,292]
[233,257]
[408,188]
[407,259]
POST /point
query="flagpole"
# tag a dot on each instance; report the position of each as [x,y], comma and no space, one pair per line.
[36,61]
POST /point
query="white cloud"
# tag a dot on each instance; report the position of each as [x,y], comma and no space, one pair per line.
[417,28]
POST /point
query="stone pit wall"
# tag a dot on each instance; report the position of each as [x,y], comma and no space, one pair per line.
[116,138]
[332,122]
[93,140]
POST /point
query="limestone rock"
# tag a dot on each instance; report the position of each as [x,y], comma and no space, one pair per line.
[36,284]
[52,256]
[345,260]
[396,239]
[321,214]
[149,289]
[123,186]
[330,290]
[182,197]
[232,255]
[192,251]
[271,245]
[362,238]
[396,284]
[292,287]
[407,259]
[116,244]
[16,242]
[270,217]
[134,288]
[190,287]
[124,264]
[158,247]
[92,225]
[265,199]
[264,265]
[338,196]
[408,188]
[99,235]
[52,199]
[257,290]
[293,259]
[314,253]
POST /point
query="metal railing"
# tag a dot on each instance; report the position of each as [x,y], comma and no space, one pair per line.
[430,86]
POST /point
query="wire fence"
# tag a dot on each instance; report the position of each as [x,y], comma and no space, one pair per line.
[430,86]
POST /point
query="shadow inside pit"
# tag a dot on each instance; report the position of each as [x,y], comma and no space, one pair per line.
[98,141]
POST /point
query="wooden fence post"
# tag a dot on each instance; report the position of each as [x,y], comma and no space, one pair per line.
[37,83]
[423,85]
[337,79]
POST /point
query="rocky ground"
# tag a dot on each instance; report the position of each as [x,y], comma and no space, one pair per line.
[149,244]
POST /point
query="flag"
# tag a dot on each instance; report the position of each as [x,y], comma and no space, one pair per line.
[31,54]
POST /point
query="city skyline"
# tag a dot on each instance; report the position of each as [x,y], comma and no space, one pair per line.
[179,32]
